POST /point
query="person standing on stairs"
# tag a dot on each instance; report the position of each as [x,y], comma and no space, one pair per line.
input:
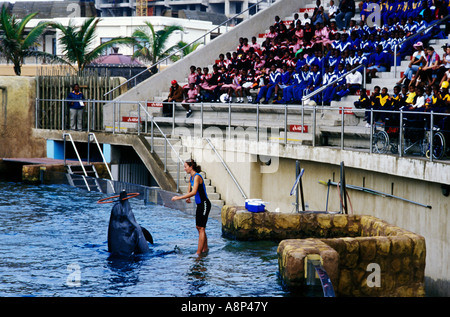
[197,188]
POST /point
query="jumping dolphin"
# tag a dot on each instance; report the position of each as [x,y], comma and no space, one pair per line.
[125,235]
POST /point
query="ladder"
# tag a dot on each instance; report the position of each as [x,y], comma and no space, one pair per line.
[84,175]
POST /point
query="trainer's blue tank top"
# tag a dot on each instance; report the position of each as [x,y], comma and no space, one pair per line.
[201,191]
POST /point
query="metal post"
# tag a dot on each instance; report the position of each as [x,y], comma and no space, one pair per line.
[151,132]
[88,116]
[395,61]
[400,135]
[285,124]
[314,127]
[342,127]
[431,136]
[114,118]
[229,120]
[139,119]
[201,120]
[371,130]
[303,117]
[63,121]
[89,149]
[173,116]
[257,122]
[36,106]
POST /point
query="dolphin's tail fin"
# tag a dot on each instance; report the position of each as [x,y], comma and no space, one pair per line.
[147,235]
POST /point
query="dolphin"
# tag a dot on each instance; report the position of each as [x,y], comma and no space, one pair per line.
[125,235]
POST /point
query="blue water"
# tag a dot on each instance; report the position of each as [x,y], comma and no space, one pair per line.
[53,242]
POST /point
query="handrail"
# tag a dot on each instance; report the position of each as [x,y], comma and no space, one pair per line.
[180,49]
[432,25]
[76,151]
[322,88]
[101,153]
[78,156]
[227,169]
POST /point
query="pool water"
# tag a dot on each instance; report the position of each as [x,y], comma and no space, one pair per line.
[53,242]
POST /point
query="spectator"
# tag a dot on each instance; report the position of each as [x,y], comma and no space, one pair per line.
[428,73]
[76,108]
[378,62]
[329,92]
[191,98]
[417,60]
[332,10]
[346,12]
[319,17]
[176,94]
[267,90]
[353,82]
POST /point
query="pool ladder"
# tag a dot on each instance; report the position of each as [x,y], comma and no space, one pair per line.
[85,175]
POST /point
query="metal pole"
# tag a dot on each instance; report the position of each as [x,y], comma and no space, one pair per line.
[303,117]
[314,127]
[285,124]
[88,116]
[400,135]
[257,122]
[342,127]
[151,132]
[173,116]
[431,136]
[114,118]
[371,130]
[201,120]
[139,119]
[229,120]
[395,61]
[89,149]
[36,106]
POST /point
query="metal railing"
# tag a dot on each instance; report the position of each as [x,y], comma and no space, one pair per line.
[203,37]
[65,135]
[227,169]
[256,128]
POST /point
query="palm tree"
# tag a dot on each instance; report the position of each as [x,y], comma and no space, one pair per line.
[16,43]
[185,49]
[151,44]
[77,42]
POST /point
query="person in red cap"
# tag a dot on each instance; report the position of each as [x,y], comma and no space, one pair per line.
[176,94]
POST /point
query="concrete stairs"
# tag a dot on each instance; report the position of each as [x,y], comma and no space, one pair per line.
[172,168]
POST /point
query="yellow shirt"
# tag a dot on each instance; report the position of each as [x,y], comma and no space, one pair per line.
[410,98]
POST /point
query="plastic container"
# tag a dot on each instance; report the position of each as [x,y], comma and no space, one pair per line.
[254,205]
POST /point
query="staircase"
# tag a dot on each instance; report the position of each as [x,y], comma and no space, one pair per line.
[78,178]
[172,168]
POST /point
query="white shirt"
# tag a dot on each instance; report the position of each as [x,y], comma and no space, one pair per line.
[354,78]
[420,101]
[332,9]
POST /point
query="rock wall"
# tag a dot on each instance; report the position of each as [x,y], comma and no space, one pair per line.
[363,255]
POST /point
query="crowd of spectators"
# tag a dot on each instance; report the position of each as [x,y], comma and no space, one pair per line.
[299,56]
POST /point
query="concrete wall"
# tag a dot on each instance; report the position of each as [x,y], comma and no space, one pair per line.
[17,118]
[413,179]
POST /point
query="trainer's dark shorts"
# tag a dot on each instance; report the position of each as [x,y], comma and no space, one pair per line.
[202,213]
